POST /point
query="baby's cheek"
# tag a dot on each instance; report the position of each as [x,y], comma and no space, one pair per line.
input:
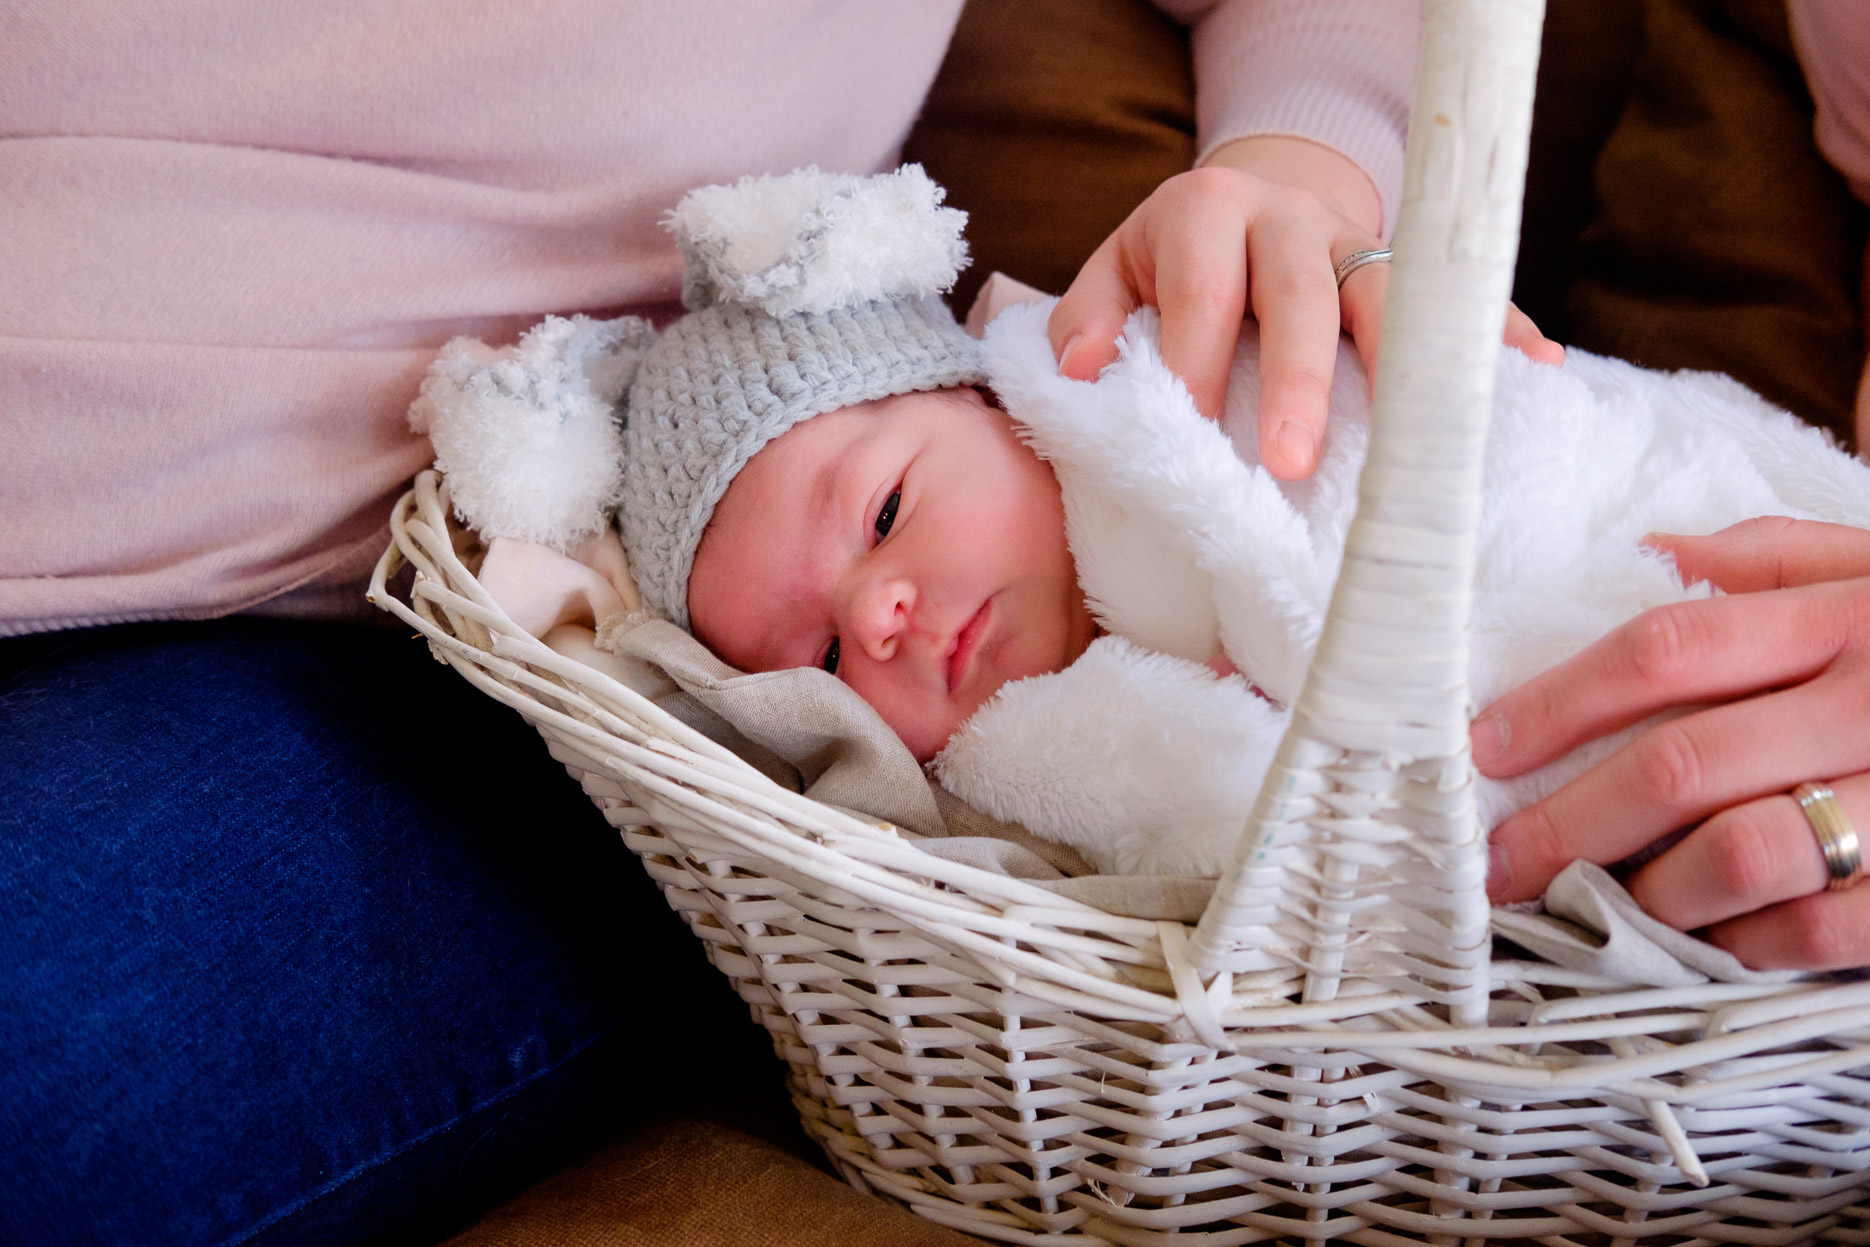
[1035,651]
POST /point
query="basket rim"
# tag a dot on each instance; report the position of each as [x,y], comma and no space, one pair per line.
[943,898]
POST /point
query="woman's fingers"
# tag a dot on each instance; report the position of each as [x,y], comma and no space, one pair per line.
[1211,243]
[1799,660]
[1184,251]
[1198,246]
[1295,300]
[1084,325]
[1524,336]
[1743,859]
[1824,931]
[1771,552]
[1710,649]
[1677,773]
[1360,306]
[1203,248]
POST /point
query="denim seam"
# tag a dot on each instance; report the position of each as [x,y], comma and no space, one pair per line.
[358,1170]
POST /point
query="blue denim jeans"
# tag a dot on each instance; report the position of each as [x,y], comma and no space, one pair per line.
[307,941]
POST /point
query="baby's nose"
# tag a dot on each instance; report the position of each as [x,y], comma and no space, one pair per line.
[880,614]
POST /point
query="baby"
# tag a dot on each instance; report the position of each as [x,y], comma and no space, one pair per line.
[812,477]
[912,546]
[1042,603]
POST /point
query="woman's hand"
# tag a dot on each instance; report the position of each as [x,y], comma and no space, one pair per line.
[1261,225]
[1786,660]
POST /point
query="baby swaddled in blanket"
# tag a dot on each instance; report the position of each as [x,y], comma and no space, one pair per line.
[1085,606]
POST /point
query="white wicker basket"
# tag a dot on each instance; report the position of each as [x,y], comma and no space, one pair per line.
[1332,1054]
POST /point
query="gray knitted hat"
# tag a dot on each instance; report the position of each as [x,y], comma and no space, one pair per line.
[807,293]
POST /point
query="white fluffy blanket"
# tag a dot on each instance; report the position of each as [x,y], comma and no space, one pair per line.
[1147,763]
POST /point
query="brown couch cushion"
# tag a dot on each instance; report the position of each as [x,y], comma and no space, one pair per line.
[1049,122]
[1721,238]
[1587,62]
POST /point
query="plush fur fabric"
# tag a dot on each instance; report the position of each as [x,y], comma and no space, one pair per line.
[1144,761]
[527,434]
[807,241]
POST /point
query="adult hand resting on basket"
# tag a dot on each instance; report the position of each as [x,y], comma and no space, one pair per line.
[1263,225]
[1774,683]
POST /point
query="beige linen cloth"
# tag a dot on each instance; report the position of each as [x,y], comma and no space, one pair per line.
[810,733]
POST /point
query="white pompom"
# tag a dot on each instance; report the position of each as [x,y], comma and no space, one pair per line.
[528,436]
[813,242]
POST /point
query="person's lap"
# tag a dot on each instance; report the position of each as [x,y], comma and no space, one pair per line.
[308,941]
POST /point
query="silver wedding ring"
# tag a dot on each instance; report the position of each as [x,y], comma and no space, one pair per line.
[1837,839]
[1357,259]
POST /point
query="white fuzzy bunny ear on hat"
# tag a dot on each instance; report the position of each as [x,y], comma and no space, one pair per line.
[528,435]
[815,242]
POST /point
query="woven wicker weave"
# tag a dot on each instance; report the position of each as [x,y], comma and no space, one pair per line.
[1332,1054]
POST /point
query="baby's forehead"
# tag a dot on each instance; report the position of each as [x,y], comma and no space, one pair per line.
[794,476]
[799,465]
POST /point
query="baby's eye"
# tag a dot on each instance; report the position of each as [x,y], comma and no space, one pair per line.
[830,662]
[887,516]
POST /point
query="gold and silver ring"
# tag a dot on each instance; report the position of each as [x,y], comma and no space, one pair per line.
[1837,839]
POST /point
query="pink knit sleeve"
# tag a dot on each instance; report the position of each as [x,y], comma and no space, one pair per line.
[1833,41]
[1337,72]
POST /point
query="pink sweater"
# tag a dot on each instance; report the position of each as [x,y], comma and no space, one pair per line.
[235,234]
[1833,41]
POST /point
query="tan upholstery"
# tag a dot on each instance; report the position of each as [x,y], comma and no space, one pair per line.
[687,1182]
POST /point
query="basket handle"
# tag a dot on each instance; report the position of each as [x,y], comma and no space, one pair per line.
[1363,862]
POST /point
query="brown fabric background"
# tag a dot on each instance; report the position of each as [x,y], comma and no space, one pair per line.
[1587,66]
[1711,232]
[1678,214]
[1049,122]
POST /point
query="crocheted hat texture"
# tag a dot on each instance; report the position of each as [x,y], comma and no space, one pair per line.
[808,292]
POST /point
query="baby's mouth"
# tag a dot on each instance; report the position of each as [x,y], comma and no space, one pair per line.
[961,651]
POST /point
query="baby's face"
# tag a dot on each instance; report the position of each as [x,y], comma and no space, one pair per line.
[914,546]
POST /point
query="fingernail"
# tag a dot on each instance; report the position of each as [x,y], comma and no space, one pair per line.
[1487,739]
[1071,344]
[1499,870]
[1296,445]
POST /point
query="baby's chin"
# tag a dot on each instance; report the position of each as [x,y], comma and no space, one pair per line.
[925,740]
[928,736]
